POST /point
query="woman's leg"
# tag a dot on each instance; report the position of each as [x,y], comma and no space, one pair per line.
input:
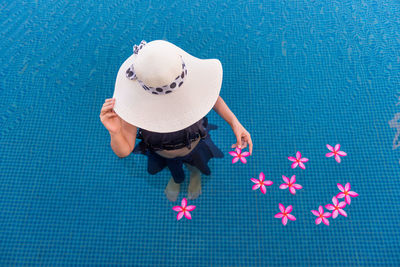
[194,189]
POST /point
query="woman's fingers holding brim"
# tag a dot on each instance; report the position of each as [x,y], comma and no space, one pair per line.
[106,109]
[109,115]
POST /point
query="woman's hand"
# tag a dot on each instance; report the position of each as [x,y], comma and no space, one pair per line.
[109,118]
[242,136]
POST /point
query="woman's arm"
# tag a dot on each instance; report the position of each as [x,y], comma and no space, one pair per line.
[123,142]
[242,136]
[222,109]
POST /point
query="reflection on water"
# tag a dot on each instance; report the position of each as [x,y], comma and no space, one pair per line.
[394,123]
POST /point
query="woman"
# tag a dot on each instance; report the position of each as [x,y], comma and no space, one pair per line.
[161,96]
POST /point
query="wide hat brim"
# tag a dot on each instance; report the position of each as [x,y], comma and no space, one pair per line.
[174,111]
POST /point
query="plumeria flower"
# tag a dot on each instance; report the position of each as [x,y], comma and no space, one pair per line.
[337,208]
[261,183]
[322,216]
[237,154]
[291,184]
[346,193]
[184,210]
[285,214]
[335,152]
[298,160]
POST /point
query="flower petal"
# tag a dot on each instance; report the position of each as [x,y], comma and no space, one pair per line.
[304,159]
[235,159]
[261,176]
[279,215]
[281,207]
[335,213]
[316,213]
[293,179]
[292,159]
[297,186]
[329,147]
[341,153]
[263,189]
[342,212]
[294,165]
[285,179]
[238,150]
[291,217]
[298,155]
[254,180]
[301,164]
[352,194]
[320,209]
[289,209]
[183,203]
[318,220]
[283,186]
[284,220]
[337,147]
[233,153]
[347,199]
[187,215]
[337,158]
[180,215]
[177,208]
[292,190]
[330,154]
[325,221]
[342,205]
[341,188]
[347,187]
[243,159]
[340,195]
[256,186]
[245,154]
[190,208]
[334,201]
[327,214]
[268,183]
[329,207]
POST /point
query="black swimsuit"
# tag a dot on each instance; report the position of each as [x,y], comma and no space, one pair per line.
[198,157]
[173,140]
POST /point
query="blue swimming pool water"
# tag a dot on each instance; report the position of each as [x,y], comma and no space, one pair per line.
[297,74]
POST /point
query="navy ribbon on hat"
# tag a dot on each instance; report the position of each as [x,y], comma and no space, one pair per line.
[162,90]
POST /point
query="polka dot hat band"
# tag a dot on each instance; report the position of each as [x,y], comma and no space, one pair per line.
[166,89]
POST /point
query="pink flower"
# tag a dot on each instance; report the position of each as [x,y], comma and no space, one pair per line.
[183,210]
[322,217]
[337,208]
[291,184]
[237,154]
[284,214]
[261,183]
[298,161]
[335,152]
[346,194]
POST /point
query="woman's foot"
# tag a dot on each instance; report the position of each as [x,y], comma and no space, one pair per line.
[172,190]
[194,189]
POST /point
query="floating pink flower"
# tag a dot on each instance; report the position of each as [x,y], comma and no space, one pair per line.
[261,183]
[337,208]
[285,214]
[298,160]
[346,194]
[322,216]
[237,154]
[291,184]
[335,152]
[183,210]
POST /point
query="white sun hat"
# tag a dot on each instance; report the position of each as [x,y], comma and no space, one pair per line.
[161,88]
